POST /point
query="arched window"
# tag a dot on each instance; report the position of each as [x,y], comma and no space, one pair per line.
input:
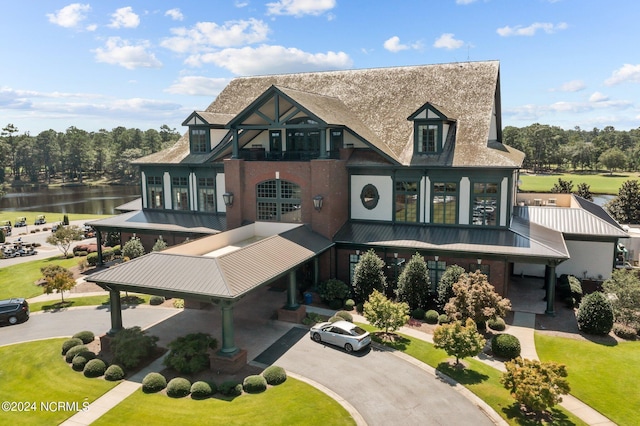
[278,201]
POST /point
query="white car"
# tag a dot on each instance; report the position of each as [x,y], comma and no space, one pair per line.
[341,333]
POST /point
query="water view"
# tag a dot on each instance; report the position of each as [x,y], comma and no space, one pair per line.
[80,199]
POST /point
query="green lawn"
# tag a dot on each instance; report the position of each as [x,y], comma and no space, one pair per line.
[84,301]
[604,377]
[600,183]
[51,218]
[19,280]
[479,378]
[35,372]
[291,403]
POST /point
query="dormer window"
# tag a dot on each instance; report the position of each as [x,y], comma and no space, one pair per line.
[198,140]
[430,129]
[428,138]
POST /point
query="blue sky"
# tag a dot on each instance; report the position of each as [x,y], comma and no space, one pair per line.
[147,63]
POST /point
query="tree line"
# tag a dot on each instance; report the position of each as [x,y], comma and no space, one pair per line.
[76,154]
[551,147]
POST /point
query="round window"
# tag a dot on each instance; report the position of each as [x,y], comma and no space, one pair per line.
[369,196]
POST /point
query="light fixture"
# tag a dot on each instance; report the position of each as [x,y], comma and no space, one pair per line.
[479,261]
[357,252]
[317,202]
[436,258]
[227,197]
[395,255]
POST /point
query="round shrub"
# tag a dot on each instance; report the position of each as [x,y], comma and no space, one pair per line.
[335,304]
[444,319]
[595,314]
[254,384]
[114,373]
[349,304]
[95,368]
[178,387]
[92,259]
[68,357]
[201,390]
[418,314]
[505,346]
[86,336]
[334,319]
[156,300]
[153,382]
[496,324]
[345,315]
[178,303]
[274,375]
[78,363]
[70,343]
[624,331]
[231,388]
[431,316]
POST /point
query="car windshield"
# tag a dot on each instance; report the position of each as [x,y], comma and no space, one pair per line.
[357,331]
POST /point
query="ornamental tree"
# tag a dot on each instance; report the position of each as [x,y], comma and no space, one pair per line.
[535,385]
[64,236]
[59,283]
[368,275]
[459,340]
[475,298]
[414,283]
[384,313]
[133,248]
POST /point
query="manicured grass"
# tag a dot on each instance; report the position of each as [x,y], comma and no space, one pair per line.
[600,183]
[35,372]
[604,377]
[84,301]
[52,218]
[19,280]
[291,403]
[479,378]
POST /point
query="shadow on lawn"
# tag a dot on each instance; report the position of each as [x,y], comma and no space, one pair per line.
[463,376]
[550,417]
[127,302]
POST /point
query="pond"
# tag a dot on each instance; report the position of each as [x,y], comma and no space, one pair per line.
[76,199]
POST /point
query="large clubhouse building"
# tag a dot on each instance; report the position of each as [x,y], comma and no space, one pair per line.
[295,176]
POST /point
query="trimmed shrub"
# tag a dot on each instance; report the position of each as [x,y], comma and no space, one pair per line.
[334,319]
[333,289]
[86,336]
[595,314]
[95,368]
[349,304]
[418,314]
[274,375]
[76,350]
[114,373]
[153,382]
[505,346]
[496,324]
[345,315]
[189,354]
[624,331]
[131,345]
[156,300]
[178,303]
[431,316]
[78,363]
[231,388]
[335,304]
[92,259]
[178,387]
[68,344]
[444,319]
[201,390]
[254,384]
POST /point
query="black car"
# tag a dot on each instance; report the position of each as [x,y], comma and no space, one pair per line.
[13,311]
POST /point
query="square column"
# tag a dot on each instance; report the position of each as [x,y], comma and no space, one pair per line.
[115,306]
[550,288]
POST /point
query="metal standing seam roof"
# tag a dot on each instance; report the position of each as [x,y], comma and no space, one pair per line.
[165,221]
[228,276]
[522,241]
[571,221]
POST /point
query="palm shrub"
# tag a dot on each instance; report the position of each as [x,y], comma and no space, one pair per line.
[414,284]
[505,346]
[368,276]
[444,290]
[94,368]
[114,373]
[153,382]
[178,387]
[274,375]
[189,354]
[595,314]
[459,340]
[130,346]
[254,384]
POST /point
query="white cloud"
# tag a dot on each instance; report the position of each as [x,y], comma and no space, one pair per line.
[120,52]
[465,1]
[207,35]
[70,16]
[300,7]
[446,41]
[532,29]
[571,86]
[241,4]
[598,97]
[124,17]
[198,86]
[627,73]
[92,27]
[393,44]
[267,59]
[175,14]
